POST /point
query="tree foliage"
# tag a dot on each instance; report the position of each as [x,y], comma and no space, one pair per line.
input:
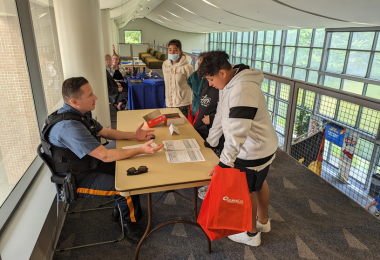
[132,36]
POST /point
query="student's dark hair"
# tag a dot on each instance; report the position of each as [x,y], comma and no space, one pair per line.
[176,43]
[71,88]
[212,62]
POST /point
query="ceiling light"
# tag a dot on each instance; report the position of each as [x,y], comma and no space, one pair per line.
[141,8]
[148,0]
[160,21]
[164,17]
[294,26]
[137,13]
[185,9]
[207,2]
[42,15]
[364,23]
[173,14]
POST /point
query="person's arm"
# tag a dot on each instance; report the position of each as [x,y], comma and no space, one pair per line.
[212,117]
[216,130]
[140,134]
[112,155]
[370,205]
[190,81]
[243,108]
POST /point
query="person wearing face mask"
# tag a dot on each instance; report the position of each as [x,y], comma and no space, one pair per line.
[177,70]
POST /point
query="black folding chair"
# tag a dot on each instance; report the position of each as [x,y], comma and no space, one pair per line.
[60,198]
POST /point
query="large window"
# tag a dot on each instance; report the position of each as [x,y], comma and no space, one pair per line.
[30,88]
[19,133]
[132,36]
[345,60]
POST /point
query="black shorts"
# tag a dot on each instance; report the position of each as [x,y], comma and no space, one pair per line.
[255,179]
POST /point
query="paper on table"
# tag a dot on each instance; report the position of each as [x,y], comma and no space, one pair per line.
[184,156]
[181,145]
[139,145]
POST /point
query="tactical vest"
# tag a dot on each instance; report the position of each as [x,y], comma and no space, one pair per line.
[63,160]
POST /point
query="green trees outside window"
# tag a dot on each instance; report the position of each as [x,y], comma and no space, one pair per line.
[132,36]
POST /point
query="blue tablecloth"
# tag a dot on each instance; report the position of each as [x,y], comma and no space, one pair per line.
[149,94]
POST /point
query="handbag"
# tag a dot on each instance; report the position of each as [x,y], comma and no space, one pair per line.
[226,208]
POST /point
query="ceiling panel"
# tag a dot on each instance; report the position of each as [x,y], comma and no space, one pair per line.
[248,15]
[364,11]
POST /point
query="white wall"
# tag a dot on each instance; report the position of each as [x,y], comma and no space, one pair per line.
[20,236]
[115,35]
[151,31]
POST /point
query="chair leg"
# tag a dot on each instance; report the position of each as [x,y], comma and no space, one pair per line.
[99,243]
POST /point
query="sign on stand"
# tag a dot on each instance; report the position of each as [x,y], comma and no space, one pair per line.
[348,149]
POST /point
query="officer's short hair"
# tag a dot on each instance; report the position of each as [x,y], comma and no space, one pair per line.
[71,88]
[213,62]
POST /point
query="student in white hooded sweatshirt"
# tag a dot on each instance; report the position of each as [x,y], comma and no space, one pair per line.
[250,139]
[177,70]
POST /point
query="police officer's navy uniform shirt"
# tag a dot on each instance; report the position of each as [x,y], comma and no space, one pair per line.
[73,134]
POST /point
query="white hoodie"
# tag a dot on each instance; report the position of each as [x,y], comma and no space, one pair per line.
[243,117]
[177,91]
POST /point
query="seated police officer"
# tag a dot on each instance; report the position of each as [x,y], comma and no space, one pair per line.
[71,140]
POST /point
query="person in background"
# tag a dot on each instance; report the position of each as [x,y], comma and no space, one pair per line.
[118,71]
[374,202]
[177,70]
[209,98]
[195,83]
[250,139]
[115,90]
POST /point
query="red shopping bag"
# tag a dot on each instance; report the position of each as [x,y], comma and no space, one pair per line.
[226,208]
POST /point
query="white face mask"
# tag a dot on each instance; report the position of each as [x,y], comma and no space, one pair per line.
[173,57]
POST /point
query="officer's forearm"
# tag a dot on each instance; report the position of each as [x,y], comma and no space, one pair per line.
[121,154]
[112,155]
[112,134]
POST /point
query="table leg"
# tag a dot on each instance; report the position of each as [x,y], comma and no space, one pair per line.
[147,227]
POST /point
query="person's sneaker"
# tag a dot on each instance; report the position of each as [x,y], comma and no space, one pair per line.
[263,227]
[202,192]
[245,239]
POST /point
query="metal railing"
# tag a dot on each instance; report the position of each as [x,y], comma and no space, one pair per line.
[351,155]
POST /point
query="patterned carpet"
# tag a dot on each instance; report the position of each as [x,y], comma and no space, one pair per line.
[310,220]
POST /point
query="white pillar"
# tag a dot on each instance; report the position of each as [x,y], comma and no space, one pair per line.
[81,45]
[106,28]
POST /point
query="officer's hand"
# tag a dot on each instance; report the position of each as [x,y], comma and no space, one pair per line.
[146,148]
[143,134]
[367,208]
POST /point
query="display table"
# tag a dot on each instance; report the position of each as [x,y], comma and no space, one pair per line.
[161,176]
[148,94]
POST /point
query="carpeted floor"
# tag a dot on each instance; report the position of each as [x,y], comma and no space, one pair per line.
[310,220]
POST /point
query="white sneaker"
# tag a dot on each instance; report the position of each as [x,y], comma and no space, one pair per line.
[202,192]
[245,239]
[263,227]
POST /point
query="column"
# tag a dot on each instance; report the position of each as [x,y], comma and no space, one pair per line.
[106,28]
[81,45]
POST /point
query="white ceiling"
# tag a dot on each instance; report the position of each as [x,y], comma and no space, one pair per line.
[246,15]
